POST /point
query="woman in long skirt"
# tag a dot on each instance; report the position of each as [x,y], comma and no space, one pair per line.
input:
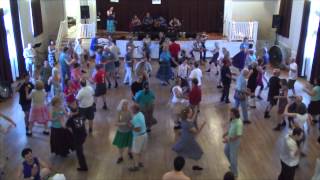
[60,139]
[187,146]
[123,137]
[165,73]
[110,21]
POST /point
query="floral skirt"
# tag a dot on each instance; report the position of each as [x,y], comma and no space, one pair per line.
[39,114]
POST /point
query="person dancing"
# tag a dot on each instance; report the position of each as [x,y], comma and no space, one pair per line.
[111,20]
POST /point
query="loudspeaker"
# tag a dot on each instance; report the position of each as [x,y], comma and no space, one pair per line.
[84,11]
[276,21]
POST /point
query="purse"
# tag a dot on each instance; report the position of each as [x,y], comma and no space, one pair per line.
[238,95]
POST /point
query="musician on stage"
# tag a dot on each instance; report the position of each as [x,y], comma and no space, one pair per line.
[203,39]
[135,24]
[175,25]
[147,22]
[111,21]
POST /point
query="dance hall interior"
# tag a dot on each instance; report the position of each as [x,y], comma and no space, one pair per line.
[160,89]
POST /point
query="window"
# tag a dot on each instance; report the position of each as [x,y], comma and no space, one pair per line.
[156,1]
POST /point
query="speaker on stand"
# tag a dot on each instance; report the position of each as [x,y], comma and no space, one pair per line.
[85,13]
[276,23]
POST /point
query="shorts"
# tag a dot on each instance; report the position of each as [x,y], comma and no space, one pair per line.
[139,143]
[101,89]
[291,83]
[117,64]
[26,107]
[87,113]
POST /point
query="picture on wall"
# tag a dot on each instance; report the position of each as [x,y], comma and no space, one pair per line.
[156,1]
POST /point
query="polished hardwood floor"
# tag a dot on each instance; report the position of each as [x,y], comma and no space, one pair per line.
[258,156]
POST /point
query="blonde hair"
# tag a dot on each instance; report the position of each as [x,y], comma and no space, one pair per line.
[39,85]
[55,100]
[121,104]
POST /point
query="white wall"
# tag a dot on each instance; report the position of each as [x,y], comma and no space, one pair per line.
[292,42]
[257,10]
[52,13]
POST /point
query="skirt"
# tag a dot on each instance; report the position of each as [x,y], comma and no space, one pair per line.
[123,139]
[61,141]
[101,89]
[164,73]
[39,114]
[314,108]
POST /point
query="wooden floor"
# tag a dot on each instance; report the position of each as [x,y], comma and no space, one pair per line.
[258,156]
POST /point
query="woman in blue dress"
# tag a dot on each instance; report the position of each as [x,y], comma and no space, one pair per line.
[110,21]
[165,73]
[187,146]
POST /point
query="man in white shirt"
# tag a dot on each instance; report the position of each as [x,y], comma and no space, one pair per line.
[290,154]
[293,75]
[85,98]
[29,56]
[196,73]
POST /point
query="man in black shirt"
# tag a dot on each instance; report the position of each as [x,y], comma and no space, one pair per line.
[77,127]
[226,80]
[23,100]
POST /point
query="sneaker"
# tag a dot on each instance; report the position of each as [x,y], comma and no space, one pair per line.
[133,169]
[197,168]
[120,159]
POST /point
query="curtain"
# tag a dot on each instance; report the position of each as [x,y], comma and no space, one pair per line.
[316,59]
[285,14]
[17,37]
[196,15]
[5,67]
[303,36]
[36,17]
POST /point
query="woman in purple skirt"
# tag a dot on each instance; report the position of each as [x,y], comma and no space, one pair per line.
[187,146]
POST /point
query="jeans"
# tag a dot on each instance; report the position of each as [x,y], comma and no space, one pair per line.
[287,172]
[80,156]
[128,75]
[244,108]
[231,152]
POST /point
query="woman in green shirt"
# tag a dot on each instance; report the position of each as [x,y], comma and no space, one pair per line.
[231,138]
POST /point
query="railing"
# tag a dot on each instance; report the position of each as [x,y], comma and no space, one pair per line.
[63,32]
[87,30]
[238,30]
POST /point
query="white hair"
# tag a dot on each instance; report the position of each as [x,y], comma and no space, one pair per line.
[120,105]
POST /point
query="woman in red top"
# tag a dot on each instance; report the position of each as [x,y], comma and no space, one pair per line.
[101,87]
[195,96]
